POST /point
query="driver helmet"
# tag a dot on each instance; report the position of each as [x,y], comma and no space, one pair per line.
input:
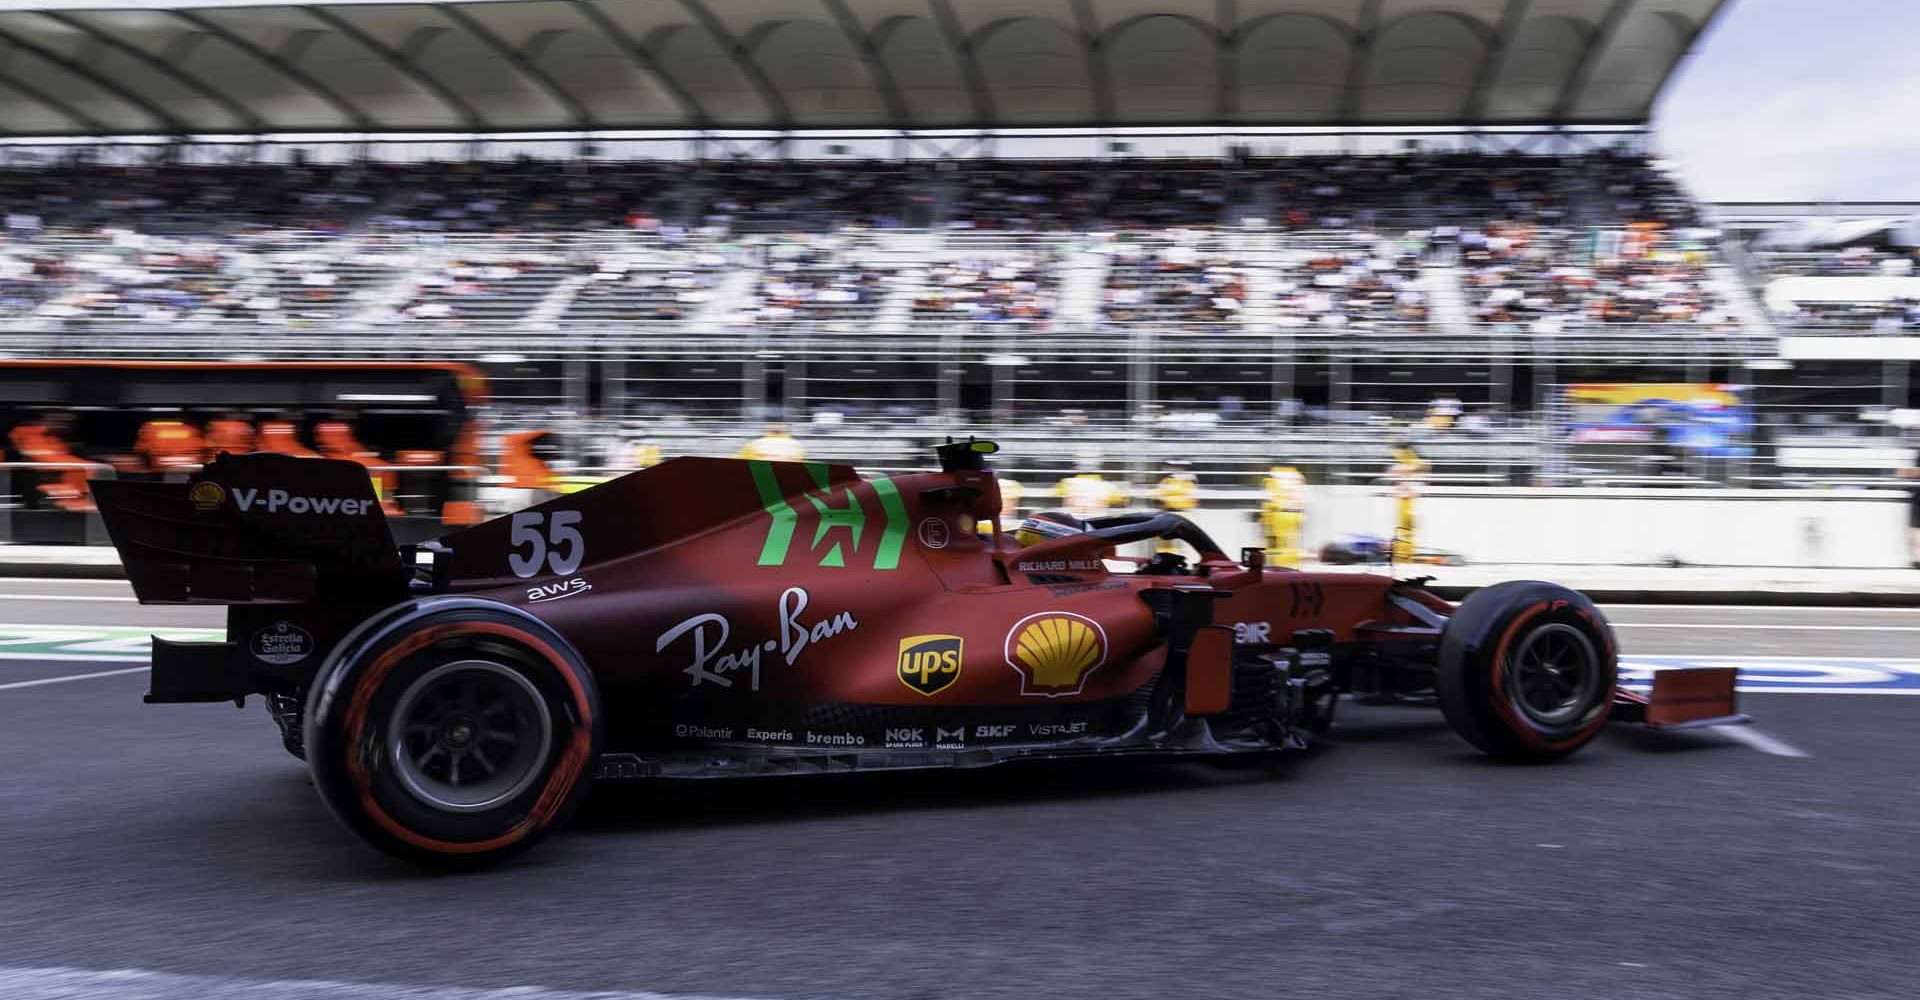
[1047,524]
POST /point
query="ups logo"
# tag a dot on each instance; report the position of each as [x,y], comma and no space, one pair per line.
[930,664]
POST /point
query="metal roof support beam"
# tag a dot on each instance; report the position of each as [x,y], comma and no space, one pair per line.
[1099,75]
[1583,71]
[404,65]
[639,55]
[983,110]
[248,118]
[38,96]
[1360,61]
[1474,112]
[883,81]
[167,121]
[1226,17]
[743,61]
[1693,38]
[282,63]
[582,118]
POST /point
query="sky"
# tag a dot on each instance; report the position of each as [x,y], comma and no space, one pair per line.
[1799,100]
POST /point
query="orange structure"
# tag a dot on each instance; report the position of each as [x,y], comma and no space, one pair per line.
[64,488]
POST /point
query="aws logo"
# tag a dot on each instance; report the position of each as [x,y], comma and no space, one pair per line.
[930,664]
[1054,652]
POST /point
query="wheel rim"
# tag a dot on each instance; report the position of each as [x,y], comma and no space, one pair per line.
[470,735]
[1553,674]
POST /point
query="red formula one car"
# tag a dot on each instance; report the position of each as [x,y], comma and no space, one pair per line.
[714,618]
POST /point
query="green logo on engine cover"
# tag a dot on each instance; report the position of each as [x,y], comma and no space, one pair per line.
[841,519]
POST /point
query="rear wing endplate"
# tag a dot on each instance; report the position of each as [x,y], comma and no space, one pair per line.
[254,529]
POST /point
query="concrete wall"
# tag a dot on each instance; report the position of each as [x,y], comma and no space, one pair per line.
[1834,528]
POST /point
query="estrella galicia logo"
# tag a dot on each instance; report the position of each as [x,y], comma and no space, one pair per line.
[282,644]
[930,664]
[207,495]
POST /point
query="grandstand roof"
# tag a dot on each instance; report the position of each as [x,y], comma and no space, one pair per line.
[84,67]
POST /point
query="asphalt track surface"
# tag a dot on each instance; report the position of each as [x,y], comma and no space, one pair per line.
[175,852]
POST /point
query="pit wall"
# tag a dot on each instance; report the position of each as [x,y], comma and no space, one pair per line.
[1812,528]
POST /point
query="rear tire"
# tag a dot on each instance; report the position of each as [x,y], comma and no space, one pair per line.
[456,739]
[1527,671]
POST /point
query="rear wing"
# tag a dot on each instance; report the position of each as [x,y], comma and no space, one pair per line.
[254,529]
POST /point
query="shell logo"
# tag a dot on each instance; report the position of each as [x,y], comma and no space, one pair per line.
[207,495]
[1054,652]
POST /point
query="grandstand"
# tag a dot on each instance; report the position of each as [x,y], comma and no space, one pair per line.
[1251,235]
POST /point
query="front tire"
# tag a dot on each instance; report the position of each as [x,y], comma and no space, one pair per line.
[456,739]
[1527,671]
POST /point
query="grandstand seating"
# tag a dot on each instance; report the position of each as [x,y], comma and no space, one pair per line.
[1443,253]
[1020,288]
[461,292]
[1320,242]
[822,279]
[1174,279]
[1856,289]
[309,292]
[1548,277]
[1352,282]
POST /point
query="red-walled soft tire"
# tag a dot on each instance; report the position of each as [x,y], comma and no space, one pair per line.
[455,738]
[1527,670]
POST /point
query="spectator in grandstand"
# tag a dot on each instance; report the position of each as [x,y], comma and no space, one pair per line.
[1169,194]
[818,279]
[1018,289]
[1364,286]
[1545,278]
[787,197]
[1173,283]
[616,290]
[1023,196]
[478,290]
[1443,412]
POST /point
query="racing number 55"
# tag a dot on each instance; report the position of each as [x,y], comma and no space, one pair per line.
[545,548]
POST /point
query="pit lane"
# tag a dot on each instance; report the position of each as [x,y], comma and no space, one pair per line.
[1393,861]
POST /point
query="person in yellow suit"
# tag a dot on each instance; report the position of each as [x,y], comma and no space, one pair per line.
[1088,494]
[1011,493]
[1283,514]
[1177,492]
[776,445]
[1407,476]
[642,454]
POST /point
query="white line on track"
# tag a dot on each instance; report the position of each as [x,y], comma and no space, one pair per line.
[65,580]
[57,656]
[1769,627]
[1760,741]
[1769,608]
[69,597]
[62,680]
[139,984]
